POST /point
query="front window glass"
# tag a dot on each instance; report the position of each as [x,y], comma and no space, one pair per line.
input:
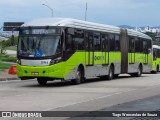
[38,45]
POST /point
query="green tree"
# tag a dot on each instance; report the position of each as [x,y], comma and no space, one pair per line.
[2,47]
[152,35]
[7,43]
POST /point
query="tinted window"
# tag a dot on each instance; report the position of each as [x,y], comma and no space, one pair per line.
[158,53]
[89,41]
[149,46]
[145,47]
[154,54]
[79,40]
[131,44]
[112,42]
[138,45]
[97,42]
[105,46]
[75,40]
[117,43]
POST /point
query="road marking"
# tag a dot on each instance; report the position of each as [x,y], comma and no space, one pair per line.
[92,99]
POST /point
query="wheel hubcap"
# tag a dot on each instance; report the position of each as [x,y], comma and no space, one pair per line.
[78,75]
[139,71]
[110,73]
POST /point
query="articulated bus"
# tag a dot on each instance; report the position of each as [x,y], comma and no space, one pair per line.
[70,49]
[156,59]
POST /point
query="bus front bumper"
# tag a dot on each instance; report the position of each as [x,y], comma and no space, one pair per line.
[53,71]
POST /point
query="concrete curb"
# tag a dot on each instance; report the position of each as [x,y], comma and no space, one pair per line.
[8,79]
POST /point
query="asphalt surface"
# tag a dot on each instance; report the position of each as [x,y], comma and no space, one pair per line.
[149,106]
[123,94]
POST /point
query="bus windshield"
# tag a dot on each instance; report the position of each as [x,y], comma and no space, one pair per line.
[39,45]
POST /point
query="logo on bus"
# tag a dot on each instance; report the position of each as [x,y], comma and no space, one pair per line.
[98,57]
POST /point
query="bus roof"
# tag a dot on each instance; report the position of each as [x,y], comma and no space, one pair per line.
[74,23]
[138,34]
[156,46]
[68,22]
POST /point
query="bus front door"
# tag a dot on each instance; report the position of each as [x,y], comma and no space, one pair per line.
[131,51]
[105,48]
[89,49]
[145,51]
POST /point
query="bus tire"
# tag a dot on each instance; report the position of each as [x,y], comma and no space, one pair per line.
[41,81]
[116,75]
[139,71]
[153,72]
[157,69]
[79,78]
[110,73]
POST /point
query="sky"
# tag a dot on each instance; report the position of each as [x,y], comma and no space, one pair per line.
[134,13]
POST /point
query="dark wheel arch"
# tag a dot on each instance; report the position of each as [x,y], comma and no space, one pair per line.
[80,73]
[42,81]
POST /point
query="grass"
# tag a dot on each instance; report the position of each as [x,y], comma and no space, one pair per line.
[7,58]
[4,65]
[12,48]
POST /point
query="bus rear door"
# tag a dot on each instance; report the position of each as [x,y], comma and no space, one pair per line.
[145,51]
[105,48]
[131,50]
[89,50]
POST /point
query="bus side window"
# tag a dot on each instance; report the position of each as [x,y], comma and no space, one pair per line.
[59,47]
[154,54]
[145,50]
[89,42]
[138,45]
[141,45]
[158,53]
[117,43]
[131,44]
[105,46]
[112,42]
[86,41]
[79,39]
[103,43]
[97,42]
[69,43]
[149,46]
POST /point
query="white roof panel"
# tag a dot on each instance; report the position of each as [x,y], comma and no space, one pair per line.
[137,34]
[74,23]
[68,22]
[156,46]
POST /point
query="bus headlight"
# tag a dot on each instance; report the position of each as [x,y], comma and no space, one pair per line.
[54,61]
[18,61]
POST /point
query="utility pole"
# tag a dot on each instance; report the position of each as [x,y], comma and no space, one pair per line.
[86,12]
[49,8]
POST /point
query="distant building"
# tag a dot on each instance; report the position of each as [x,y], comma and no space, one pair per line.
[3,38]
[157,36]
[6,35]
[147,29]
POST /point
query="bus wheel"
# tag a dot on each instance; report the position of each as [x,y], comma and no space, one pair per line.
[41,81]
[116,75]
[110,73]
[157,69]
[79,78]
[139,71]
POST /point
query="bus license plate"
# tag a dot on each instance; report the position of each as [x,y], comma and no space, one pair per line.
[35,73]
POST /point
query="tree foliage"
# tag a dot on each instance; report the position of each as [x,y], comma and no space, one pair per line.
[152,35]
[10,42]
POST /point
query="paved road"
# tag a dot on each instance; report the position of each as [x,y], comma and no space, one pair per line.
[11,52]
[93,95]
